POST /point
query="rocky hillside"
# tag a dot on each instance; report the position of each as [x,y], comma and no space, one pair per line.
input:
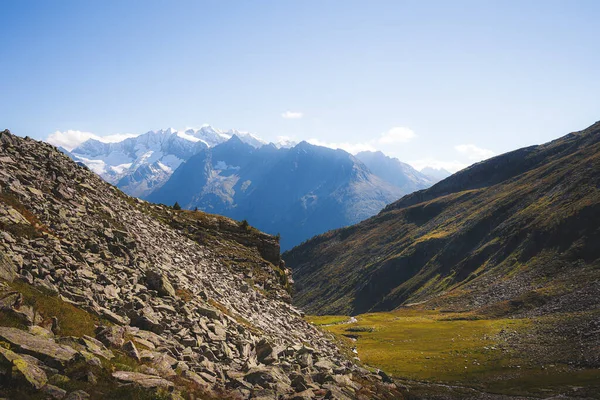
[106,296]
[519,233]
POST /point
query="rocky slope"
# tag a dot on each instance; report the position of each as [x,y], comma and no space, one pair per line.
[297,192]
[107,296]
[516,234]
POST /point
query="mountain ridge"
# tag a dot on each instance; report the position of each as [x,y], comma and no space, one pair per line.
[491,215]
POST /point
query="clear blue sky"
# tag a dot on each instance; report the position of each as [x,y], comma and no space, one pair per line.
[494,75]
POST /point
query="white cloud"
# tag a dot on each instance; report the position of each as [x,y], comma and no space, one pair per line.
[473,152]
[450,166]
[469,152]
[393,136]
[351,148]
[398,134]
[70,139]
[292,115]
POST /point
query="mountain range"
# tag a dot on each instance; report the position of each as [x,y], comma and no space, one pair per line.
[295,190]
[517,233]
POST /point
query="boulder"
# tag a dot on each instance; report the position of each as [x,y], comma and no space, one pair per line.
[265,352]
[23,370]
[132,351]
[78,395]
[143,380]
[96,347]
[53,354]
[111,335]
[54,392]
[160,283]
[8,271]
[260,376]
[209,312]
[147,319]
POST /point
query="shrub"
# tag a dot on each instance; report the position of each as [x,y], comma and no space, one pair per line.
[176,206]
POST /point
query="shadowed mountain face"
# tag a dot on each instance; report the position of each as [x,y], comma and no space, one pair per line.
[520,231]
[297,192]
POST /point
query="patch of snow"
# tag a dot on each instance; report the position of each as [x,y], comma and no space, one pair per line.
[222,166]
[191,138]
[119,169]
[164,167]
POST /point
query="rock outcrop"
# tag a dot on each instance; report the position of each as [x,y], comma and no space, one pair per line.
[103,293]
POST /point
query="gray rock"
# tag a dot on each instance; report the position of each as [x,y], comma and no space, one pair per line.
[265,352]
[130,349]
[55,355]
[78,395]
[260,376]
[209,312]
[23,370]
[148,320]
[111,335]
[54,392]
[8,271]
[96,347]
[147,381]
[160,283]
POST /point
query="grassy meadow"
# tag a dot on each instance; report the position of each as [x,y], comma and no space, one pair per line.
[461,349]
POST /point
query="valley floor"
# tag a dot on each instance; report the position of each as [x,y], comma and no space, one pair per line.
[461,355]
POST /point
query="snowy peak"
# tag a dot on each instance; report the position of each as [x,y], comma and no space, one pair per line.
[143,163]
[248,138]
[285,144]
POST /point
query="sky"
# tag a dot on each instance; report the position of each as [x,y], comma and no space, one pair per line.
[438,83]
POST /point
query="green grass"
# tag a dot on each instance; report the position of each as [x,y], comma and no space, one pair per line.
[73,321]
[454,348]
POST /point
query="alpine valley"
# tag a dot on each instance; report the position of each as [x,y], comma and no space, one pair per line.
[489,281]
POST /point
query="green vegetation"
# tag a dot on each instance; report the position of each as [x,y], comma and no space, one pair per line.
[463,349]
[176,206]
[73,321]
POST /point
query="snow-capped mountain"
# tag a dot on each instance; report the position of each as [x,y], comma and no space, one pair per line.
[285,144]
[140,164]
[296,189]
[297,192]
